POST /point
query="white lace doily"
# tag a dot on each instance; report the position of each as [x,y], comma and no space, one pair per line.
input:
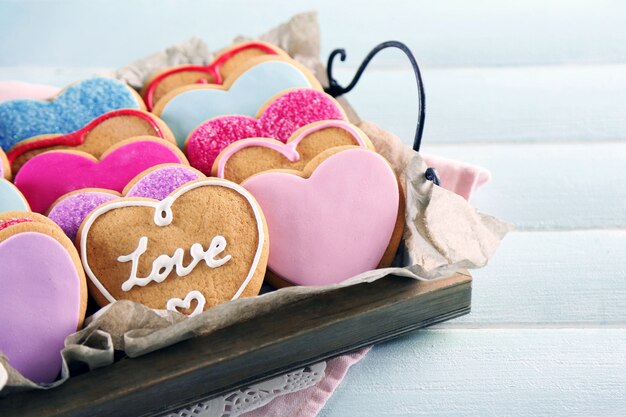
[255,396]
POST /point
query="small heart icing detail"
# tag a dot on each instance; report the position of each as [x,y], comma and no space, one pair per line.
[186,110]
[73,108]
[49,175]
[333,225]
[175,303]
[39,280]
[279,119]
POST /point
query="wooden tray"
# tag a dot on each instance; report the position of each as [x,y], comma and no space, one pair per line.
[292,337]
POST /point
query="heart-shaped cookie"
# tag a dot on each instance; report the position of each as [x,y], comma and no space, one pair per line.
[49,175]
[242,93]
[208,236]
[343,215]
[73,108]
[247,157]
[94,138]
[278,119]
[157,182]
[43,294]
[226,61]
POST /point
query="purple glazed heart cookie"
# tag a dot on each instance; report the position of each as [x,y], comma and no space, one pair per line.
[70,210]
[43,294]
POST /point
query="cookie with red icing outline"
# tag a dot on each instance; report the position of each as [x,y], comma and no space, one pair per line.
[205,243]
[95,137]
[40,277]
[242,93]
[225,63]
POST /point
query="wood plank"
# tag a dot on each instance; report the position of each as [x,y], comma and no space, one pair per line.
[467,105]
[550,187]
[498,105]
[548,372]
[287,338]
[450,32]
[572,278]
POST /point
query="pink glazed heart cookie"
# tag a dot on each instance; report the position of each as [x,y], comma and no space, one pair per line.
[49,175]
[43,294]
[341,216]
[278,119]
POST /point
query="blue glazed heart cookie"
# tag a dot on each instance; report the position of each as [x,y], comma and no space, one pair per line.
[242,93]
[73,108]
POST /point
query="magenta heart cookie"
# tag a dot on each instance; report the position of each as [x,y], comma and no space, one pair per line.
[156,183]
[42,295]
[48,176]
[332,223]
[277,119]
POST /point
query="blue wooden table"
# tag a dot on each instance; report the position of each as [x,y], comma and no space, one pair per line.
[534,91]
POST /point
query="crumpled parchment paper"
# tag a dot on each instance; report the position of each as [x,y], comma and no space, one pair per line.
[443,234]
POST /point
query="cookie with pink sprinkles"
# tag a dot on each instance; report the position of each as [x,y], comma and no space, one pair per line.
[277,119]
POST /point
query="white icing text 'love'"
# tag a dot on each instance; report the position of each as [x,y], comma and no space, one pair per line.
[164,264]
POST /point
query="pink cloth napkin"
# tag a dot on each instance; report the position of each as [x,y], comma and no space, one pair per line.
[11,90]
[458,177]
[455,176]
[309,402]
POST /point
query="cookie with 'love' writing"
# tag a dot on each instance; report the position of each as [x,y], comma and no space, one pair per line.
[43,294]
[202,245]
[228,60]
[94,138]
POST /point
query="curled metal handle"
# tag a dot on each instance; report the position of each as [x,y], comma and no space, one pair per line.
[336,90]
